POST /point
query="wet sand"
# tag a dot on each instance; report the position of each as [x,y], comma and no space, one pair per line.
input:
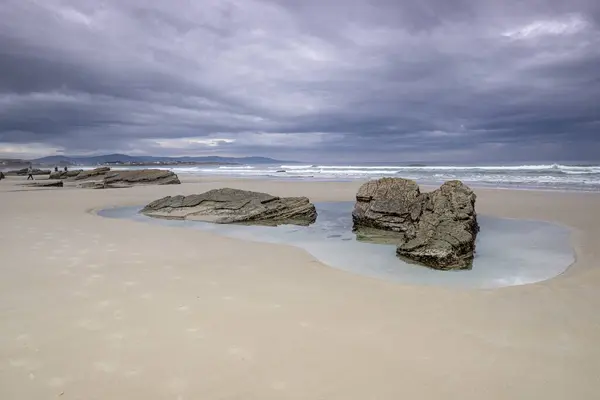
[94,308]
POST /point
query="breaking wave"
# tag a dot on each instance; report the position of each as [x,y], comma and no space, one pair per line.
[551,176]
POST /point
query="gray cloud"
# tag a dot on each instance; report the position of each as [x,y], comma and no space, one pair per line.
[387,80]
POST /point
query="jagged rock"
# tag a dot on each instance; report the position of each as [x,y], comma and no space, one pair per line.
[45,183]
[93,173]
[227,206]
[130,178]
[1,175]
[65,174]
[23,172]
[436,229]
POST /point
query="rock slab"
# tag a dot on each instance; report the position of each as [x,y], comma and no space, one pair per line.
[45,183]
[65,174]
[92,173]
[229,206]
[24,172]
[436,229]
[130,178]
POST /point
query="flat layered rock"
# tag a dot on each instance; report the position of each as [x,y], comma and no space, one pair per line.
[65,174]
[23,172]
[140,177]
[228,206]
[92,173]
[45,183]
[130,178]
[436,229]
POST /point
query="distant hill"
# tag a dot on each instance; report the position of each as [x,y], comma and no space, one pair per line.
[126,159]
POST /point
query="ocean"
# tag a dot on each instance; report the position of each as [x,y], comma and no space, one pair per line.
[544,176]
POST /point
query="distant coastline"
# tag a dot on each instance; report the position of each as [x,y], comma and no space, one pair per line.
[165,163]
[124,160]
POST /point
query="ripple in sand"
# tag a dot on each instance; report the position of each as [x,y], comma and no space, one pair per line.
[133,372]
[103,303]
[57,382]
[280,385]
[116,337]
[239,353]
[79,293]
[177,385]
[89,324]
[29,364]
[195,332]
[106,367]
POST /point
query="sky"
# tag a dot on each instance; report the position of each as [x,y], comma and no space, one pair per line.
[340,80]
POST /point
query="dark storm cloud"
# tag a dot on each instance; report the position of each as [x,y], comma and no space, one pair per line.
[346,80]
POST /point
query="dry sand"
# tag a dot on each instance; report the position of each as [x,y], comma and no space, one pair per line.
[94,308]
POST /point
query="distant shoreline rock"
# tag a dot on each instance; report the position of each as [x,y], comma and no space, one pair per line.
[436,229]
[104,178]
[117,179]
[45,183]
[24,172]
[65,174]
[230,206]
[92,173]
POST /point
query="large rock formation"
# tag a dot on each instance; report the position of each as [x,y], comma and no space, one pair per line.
[65,174]
[24,172]
[436,229]
[118,179]
[79,174]
[227,206]
[103,177]
[92,173]
[45,183]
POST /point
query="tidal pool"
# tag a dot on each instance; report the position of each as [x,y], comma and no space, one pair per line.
[509,252]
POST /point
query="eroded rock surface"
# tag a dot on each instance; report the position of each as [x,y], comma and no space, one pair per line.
[92,173]
[45,183]
[227,206]
[140,177]
[103,178]
[24,172]
[65,174]
[436,229]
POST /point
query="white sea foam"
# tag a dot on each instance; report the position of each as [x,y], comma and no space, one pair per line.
[554,176]
[548,176]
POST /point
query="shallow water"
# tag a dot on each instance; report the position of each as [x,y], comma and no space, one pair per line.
[509,252]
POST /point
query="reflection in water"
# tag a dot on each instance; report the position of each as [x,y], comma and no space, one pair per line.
[509,252]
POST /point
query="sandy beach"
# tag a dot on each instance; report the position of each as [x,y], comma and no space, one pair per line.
[95,308]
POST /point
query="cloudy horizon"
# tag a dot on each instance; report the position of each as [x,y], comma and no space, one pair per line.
[388,80]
